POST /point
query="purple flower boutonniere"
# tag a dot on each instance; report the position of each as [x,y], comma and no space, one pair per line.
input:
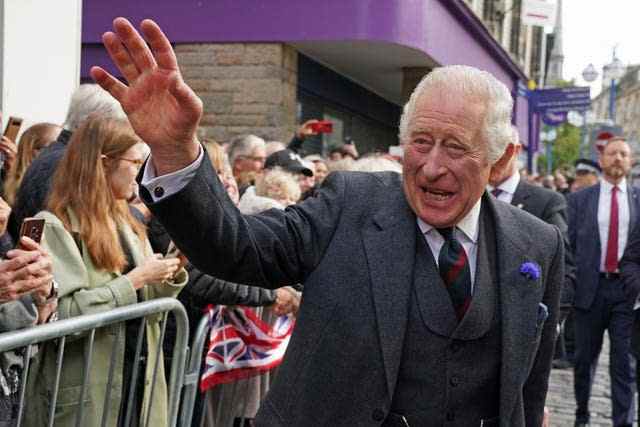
[530,270]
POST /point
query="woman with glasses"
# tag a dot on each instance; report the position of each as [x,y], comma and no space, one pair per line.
[102,260]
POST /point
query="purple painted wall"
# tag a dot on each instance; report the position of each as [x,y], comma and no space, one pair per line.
[445,30]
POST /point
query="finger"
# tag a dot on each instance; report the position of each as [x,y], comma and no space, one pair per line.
[28,244]
[31,285]
[162,50]
[40,268]
[18,259]
[120,56]
[135,44]
[109,83]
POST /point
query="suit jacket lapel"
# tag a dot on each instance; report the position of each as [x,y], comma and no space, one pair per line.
[518,300]
[591,215]
[390,247]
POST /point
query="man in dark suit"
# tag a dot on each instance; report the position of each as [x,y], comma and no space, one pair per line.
[600,220]
[425,302]
[542,203]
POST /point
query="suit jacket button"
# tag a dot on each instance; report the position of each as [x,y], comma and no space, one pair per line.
[377,415]
[451,416]
[158,191]
[454,381]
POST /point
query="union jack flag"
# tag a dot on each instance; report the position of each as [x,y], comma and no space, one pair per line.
[241,345]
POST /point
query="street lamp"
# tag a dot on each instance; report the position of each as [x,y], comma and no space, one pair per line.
[590,74]
[613,71]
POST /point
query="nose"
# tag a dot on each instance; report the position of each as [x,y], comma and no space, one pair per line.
[434,166]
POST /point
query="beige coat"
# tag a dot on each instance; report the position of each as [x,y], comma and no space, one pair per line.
[84,289]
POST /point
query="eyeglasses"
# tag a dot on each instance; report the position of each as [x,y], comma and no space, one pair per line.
[137,162]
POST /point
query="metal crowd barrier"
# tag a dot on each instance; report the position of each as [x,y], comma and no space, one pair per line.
[88,324]
[192,374]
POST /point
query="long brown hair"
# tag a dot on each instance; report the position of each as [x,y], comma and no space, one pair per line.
[81,184]
[32,140]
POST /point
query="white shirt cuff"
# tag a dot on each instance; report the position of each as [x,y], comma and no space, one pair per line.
[161,187]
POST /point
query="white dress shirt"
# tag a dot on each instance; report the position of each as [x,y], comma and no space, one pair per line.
[604,215]
[466,232]
[508,187]
[164,186]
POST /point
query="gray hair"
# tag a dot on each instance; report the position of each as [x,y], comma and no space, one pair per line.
[91,99]
[477,84]
[376,164]
[243,146]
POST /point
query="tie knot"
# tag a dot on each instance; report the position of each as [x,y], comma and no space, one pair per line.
[614,189]
[446,232]
[496,192]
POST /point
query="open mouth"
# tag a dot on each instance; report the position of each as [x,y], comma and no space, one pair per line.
[438,195]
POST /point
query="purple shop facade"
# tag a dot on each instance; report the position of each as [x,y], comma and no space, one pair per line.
[388,34]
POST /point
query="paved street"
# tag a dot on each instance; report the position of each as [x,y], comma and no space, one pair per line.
[561,402]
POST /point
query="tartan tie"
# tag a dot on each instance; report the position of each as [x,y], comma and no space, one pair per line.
[454,270]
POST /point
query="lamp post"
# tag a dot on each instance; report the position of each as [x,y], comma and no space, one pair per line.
[590,74]
[613,71]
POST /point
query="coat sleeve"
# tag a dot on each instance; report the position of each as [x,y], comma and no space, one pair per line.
[535,388]
[69,270]
[271,249]
[207,289]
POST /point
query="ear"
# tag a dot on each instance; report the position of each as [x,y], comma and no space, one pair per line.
[511,151]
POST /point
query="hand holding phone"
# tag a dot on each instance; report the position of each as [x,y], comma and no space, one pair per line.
[322,126]
[13,128]
[32,228]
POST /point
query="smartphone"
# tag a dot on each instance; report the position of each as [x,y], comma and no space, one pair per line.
[172,251]
[323,126]
[32,228]
[13,127]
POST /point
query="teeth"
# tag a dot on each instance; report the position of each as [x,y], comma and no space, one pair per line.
[438,195]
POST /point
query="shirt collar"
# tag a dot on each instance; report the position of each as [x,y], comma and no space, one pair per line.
[509,185]
[468,225]
[607,187]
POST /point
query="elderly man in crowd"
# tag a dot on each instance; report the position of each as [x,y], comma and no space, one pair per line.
[247,154]
[426,302]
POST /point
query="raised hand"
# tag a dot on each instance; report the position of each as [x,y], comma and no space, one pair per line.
[162,108]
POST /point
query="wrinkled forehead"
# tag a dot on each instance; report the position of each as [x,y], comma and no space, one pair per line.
[448,107]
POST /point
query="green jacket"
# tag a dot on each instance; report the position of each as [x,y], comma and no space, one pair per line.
[84,289]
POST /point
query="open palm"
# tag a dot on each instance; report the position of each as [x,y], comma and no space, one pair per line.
[161,107]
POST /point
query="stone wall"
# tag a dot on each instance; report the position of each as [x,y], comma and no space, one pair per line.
[245,88]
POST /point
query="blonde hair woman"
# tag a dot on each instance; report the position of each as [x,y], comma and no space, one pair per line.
[31,142]
[102,260]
